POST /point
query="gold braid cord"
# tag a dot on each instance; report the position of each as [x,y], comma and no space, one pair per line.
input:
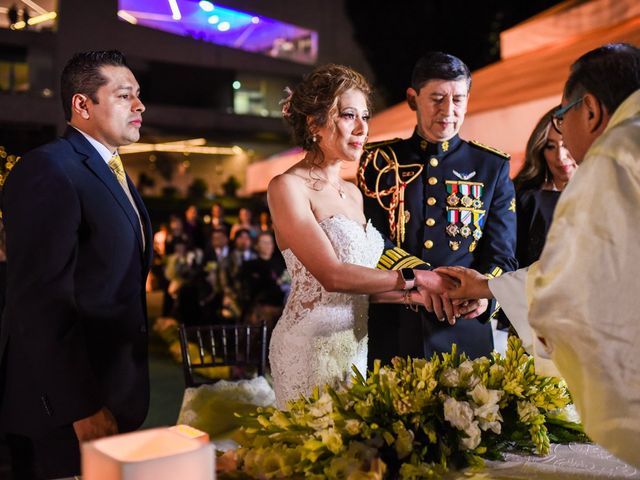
[396,192]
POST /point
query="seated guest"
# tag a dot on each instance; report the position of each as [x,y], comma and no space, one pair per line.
[176,234]
[244,223]
[193,227]
[218,248]
[548,167]
[230,269]
[260,291]
[265,222]
[217,218]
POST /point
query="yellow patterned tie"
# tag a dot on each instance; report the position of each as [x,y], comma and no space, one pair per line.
[118,170]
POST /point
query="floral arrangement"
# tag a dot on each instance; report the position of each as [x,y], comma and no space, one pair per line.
[415,418]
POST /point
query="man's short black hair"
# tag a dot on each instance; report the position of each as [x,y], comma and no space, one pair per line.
[439,66]
[82,74]
[611,73]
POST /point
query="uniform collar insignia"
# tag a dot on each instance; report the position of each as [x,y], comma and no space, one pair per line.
[434,148]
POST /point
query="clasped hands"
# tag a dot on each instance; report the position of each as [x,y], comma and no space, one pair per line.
[453,292]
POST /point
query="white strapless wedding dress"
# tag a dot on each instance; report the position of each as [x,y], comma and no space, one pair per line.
[321,334]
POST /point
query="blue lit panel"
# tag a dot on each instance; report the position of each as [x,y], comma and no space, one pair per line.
[221,25]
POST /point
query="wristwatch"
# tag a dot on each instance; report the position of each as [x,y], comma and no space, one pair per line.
[409,278]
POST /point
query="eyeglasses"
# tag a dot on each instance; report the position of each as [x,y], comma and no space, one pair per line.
[558,116]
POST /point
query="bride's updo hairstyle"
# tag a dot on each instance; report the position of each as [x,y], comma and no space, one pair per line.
[315,100]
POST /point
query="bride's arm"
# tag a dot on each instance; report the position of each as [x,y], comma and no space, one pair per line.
[412,297]
[297,229]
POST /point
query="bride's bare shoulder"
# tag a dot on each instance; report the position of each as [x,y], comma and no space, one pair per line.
[293,179]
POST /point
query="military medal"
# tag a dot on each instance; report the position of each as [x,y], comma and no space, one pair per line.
[452,189]
[478,222]
[476,191]
[465,218]
[465,190]
[454,245]
[453,216]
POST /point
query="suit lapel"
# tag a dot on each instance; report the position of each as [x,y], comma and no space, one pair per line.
[144,220]
[99,167]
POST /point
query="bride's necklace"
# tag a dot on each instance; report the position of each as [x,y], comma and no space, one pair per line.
[338,187]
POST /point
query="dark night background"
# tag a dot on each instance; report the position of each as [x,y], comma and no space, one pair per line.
[394,35]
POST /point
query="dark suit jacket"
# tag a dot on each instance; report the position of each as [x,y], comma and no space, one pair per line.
[74,330]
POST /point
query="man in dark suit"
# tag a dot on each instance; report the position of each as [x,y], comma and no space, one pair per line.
[443,200]
[74,330]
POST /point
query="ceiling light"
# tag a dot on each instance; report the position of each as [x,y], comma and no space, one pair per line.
[213,19]
[206,6]
[127,17]
[236,85]
[224,26]
[255,20]
[175,10]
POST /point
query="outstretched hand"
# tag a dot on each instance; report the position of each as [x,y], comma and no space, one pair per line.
[469,284]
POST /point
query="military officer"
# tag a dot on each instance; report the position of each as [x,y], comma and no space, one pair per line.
[444,200]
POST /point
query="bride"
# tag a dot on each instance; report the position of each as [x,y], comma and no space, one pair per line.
[330,249]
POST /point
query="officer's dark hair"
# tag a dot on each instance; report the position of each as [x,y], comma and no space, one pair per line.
[611,73]
[82,74]
[439,66]
[315,100]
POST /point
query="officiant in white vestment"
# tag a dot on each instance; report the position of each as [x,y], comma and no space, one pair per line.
[579,305]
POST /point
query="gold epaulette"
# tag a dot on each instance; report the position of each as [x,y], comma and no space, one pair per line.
[382,143]
[396,258]
[490,149]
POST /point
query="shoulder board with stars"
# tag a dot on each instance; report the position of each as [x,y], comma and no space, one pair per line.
[490,149]
[382,143]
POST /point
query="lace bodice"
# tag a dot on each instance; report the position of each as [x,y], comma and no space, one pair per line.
[320,333]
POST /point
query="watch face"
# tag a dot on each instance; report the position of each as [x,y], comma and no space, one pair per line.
[407,274]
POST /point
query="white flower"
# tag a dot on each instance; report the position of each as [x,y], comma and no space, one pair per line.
[321,412]
[352,426]
[466,374]
[458,414]
[566,414]
[473,437]
[466,368]
[481,395]
[487,410]
[527,411]
[450,377]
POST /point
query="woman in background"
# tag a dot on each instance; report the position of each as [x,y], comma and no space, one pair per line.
[547,169]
